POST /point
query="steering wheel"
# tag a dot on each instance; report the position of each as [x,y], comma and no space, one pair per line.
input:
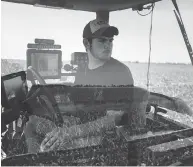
[31,73]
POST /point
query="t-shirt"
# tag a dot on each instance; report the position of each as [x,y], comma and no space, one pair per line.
[111,73]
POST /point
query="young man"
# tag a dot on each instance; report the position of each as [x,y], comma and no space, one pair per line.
[102,70]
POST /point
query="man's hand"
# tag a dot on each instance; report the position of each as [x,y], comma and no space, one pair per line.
[59,137]
[54,139]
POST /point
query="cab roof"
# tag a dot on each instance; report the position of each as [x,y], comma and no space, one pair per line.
[87,5]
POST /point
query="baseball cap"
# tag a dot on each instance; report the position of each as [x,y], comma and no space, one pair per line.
[99,28]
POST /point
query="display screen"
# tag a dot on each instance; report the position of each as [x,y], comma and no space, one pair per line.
[46,63]
[14,86]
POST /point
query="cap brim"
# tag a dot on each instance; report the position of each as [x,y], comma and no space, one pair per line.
[106,32]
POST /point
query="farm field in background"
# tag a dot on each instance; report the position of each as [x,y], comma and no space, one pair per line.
[174,80]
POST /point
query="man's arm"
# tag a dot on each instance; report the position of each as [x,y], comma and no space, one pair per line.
[100,125]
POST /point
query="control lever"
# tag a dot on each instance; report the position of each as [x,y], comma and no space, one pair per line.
[155,109]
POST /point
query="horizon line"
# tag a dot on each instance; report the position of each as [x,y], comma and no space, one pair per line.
[136,61]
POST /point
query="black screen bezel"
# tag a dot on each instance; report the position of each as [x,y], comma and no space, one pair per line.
[4,99]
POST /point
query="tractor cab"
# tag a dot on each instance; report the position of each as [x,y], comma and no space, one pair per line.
[154,128]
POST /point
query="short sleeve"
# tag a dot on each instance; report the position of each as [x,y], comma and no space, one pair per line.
[129,77]
[122,77]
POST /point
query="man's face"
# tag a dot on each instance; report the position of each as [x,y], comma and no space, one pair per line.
[102,48]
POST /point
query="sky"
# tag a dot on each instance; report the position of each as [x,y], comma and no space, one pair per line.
[21,24]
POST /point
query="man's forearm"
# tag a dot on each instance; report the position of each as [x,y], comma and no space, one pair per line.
[94,127]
